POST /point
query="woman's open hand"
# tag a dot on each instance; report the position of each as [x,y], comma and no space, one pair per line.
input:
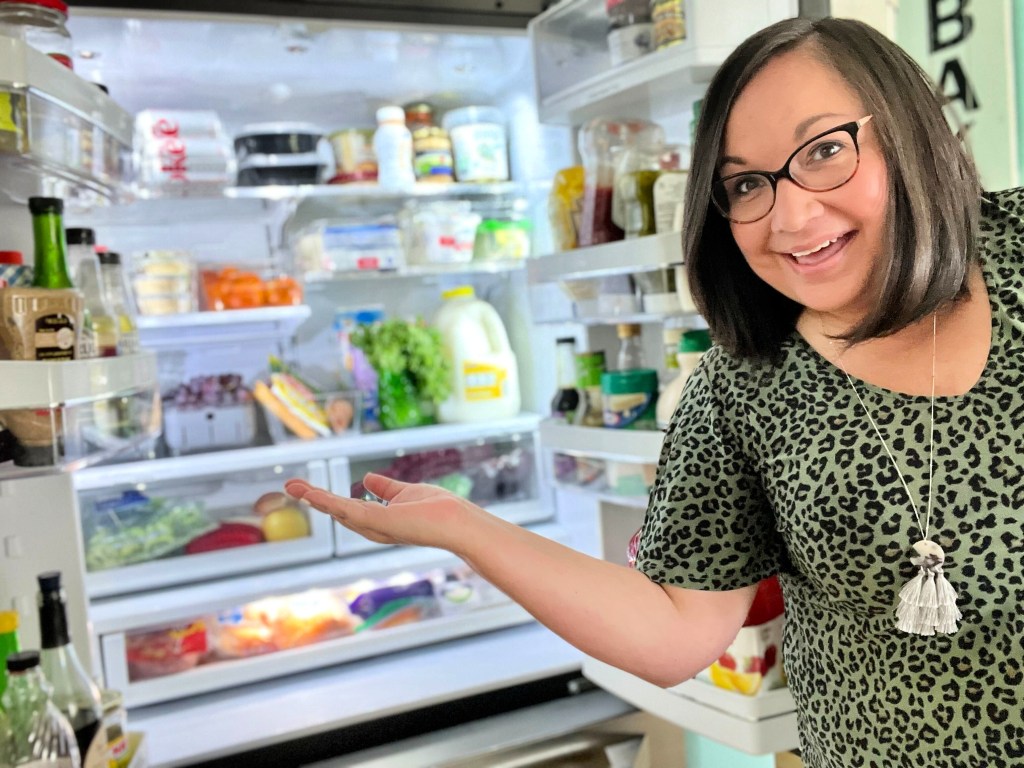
[415,513]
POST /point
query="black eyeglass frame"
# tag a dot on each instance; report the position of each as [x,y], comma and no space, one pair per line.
[774,177]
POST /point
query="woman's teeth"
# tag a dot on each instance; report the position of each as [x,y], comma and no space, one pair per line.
[801,254]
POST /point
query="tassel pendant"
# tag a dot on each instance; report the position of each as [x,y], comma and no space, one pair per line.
[928,602]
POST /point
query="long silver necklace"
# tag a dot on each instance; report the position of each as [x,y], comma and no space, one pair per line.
[927,603]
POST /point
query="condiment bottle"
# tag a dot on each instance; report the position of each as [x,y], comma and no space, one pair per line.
[40,733]
[631,351]
[8,643]
[74,692]
[589,367]
[42,24]
[100,333]
[51,264]
[115,288]
[392,143]
[692,346]
[600,142]
[567,397]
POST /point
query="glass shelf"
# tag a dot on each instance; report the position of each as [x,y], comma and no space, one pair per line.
[228,326]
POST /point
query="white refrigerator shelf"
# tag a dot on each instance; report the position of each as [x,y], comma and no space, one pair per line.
[721,721]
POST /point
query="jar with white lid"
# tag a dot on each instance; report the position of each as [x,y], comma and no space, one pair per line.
[42,24]
[479,143]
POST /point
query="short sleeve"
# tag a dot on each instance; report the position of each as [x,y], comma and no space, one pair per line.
[708,525]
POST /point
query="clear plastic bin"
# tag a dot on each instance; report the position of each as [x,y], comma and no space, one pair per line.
[326,247]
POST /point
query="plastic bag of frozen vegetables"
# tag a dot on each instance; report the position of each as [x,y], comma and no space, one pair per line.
[135,528]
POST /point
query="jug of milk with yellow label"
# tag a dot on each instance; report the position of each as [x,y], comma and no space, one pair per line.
[485,377]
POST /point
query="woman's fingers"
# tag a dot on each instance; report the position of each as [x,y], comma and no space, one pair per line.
[384,487]
[296,487]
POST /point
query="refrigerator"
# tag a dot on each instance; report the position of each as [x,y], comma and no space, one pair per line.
[223,651]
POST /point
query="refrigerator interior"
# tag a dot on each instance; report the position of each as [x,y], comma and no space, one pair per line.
[332,74]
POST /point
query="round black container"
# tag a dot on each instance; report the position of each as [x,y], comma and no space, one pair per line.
[276,140]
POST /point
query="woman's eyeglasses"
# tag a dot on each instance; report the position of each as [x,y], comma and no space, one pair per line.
[820,164]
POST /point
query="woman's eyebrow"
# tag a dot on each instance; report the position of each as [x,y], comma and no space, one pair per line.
[798,133]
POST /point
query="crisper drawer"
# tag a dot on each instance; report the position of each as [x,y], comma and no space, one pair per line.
[361,613]
[497,472]
[172,521]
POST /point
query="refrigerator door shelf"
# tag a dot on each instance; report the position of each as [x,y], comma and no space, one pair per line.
[575,77]
[151,534]
[638,446]
[726,720]
[71,414]
[58,124]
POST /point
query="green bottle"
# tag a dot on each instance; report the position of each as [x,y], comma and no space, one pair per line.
[8,643]
[51,263]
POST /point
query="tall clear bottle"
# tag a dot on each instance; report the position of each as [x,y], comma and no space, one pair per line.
[40,736]
[115,287]
[631,350]
[100,321]
[74,692]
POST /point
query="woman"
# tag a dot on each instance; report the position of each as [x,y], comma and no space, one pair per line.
[857,428]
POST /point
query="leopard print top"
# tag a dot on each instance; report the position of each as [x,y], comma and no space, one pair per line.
[774,469]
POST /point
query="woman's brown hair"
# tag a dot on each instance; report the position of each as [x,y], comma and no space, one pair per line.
[933,196]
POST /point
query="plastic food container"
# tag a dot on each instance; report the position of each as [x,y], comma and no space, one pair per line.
[261,170]
[498,239]
[629,398]
[479,143]
[354,159]
[187,430]
[276,139]
[326,247]
[440,232]
[164,282]
[181,149]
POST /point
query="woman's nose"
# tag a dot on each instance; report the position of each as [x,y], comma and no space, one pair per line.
[794,207]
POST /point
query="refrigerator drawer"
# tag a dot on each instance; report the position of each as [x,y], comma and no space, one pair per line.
[197,524]
[282,634]
[498,472]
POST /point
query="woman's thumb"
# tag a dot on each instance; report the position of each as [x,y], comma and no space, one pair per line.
[384,487]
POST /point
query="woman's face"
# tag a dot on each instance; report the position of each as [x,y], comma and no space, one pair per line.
[792,99]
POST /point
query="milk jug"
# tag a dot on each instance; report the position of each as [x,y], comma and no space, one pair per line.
[485,377]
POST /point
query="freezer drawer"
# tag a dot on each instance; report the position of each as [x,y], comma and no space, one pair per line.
[145,526]
[498,472]
[282,634]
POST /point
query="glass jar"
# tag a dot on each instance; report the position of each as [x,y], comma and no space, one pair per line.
[419,114]
[630,29]
[601,141]
[42,24]
[669,22]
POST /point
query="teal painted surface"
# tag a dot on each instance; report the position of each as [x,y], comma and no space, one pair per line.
[705,753]
[977,41]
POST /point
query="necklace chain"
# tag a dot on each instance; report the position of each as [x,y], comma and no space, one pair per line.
[925,526]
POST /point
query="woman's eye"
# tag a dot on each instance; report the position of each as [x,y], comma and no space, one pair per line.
[746,185]
[826,150]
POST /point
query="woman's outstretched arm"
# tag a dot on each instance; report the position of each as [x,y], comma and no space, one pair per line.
[616,614]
